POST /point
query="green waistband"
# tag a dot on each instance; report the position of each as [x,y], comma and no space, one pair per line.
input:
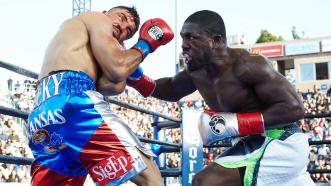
[274,133]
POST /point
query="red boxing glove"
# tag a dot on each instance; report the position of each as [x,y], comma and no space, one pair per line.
[153,33]
[144,85]
[156,32]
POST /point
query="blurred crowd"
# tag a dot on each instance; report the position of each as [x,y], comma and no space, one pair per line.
[316,102]
[20,95]
[13,142]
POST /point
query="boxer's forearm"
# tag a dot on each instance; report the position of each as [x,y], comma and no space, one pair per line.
[107,88]
[281,114]
[174,88]
[164,90]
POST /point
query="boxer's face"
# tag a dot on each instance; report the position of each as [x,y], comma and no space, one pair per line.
[196,46]
[123,24]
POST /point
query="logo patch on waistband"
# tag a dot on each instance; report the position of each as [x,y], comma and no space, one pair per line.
[111,168]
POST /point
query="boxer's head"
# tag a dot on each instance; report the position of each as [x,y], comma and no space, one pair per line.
[209,22]
[202,33]
[126,21]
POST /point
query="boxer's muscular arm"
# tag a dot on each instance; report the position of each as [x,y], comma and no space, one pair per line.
[174,88]
[282,104]
[116,63]
[108,88]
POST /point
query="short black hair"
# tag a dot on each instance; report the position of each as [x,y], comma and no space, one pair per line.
[210,21]
[133,11]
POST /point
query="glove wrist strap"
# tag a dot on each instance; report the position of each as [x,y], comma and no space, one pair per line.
[250,123]
[143,47]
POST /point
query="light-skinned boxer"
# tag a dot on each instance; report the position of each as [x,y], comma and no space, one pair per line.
[72,130]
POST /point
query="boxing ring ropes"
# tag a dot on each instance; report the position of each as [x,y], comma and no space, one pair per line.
[190,153]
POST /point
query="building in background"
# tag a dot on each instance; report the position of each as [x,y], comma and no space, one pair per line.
[305,63]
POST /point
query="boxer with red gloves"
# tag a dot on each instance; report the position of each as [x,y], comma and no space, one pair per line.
[79,69]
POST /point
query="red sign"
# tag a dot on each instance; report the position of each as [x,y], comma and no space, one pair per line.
[269,51]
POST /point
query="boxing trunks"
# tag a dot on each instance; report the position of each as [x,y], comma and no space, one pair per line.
[278,158]
[73,132]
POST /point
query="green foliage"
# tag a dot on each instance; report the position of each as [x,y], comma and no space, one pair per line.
[266,36]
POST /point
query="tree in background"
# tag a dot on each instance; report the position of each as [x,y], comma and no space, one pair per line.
[295,34]
[266,36]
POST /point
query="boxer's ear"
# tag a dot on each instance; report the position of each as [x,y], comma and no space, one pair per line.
[217,41]
[121,46]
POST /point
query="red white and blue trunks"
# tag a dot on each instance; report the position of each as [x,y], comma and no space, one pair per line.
[73,132]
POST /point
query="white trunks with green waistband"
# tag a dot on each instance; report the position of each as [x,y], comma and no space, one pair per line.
[277,159]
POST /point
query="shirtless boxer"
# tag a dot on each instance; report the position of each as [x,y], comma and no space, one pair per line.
[249,99]
[72,131]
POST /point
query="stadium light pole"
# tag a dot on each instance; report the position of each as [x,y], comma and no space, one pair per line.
[80,6]
[177,66]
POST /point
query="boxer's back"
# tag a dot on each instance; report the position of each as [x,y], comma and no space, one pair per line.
[70,50]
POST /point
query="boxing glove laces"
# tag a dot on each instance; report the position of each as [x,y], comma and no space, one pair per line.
[152,34]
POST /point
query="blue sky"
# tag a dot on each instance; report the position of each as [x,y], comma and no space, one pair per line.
[28,26]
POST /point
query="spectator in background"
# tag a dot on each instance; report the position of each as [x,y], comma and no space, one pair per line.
[327,135]
[27,85]
[316,134]
[328,92]
[10,84]
[17,85]
[323,151]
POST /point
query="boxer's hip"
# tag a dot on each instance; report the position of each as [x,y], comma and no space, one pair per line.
[279,155]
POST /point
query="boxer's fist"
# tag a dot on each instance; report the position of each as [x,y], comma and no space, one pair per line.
[153,33]
[156,32]
[216,126]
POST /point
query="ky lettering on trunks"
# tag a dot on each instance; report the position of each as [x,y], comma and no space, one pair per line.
[48,88]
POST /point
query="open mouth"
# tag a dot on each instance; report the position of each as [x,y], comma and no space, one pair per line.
[187,58]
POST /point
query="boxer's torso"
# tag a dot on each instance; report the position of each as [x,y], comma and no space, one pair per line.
[223,91]
[70,49]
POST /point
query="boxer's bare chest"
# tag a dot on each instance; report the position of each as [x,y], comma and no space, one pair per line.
[225,92]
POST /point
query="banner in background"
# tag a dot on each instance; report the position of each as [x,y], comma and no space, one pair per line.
[326,45]
[302,48]
[269,50]
[192,160]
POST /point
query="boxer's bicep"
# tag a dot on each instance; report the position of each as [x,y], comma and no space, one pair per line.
[256,73]
[282,104]
[114,61]
[279,99]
